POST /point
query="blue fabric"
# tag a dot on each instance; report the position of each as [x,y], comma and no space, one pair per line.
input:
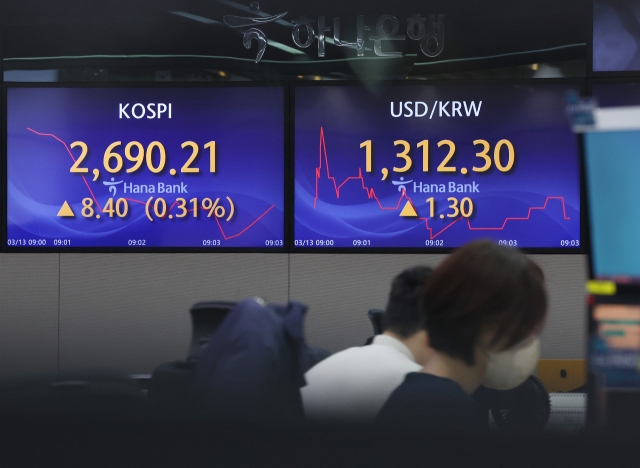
[254,364]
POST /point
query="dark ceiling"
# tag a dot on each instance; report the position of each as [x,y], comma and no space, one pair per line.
[477,33]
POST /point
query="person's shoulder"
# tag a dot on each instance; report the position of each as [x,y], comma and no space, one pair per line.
[430,403]
[373,367]
[447,389]
[340,359]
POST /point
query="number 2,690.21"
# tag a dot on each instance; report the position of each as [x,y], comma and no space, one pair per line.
[135,152]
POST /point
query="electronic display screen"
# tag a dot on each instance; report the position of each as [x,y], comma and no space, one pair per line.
[145,167]
[612,167]
[615,346]
[616,36]
[435,166]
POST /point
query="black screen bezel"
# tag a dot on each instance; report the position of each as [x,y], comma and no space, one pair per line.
[600,80]
[60,249]
[580,83]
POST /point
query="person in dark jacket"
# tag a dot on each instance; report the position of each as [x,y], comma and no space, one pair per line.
[254,365]
[484,308]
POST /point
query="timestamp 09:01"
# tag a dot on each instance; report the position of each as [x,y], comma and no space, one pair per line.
[40,242]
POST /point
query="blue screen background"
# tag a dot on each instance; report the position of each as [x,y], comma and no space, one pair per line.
[247,124]
[612,169]
[545,177]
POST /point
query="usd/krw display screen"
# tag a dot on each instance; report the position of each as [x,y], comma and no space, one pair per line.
[198,167]
[435,166]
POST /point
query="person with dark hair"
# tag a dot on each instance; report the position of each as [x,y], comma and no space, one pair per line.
[352,385]
[484,308]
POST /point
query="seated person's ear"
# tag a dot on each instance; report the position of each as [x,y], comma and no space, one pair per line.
[427,351]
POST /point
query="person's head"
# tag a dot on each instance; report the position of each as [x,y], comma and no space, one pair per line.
[403,317]
[484,298]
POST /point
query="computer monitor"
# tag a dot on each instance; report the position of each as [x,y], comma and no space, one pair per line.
[615,347]
[145,167]
[612,169]
[430,167]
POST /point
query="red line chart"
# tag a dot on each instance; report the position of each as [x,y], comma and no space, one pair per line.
[224,235]
[74,160]
[371,194]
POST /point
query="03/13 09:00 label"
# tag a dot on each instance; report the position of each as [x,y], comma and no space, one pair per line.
[313,243]
[27,242]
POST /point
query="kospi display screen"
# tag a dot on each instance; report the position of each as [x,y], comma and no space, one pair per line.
[145,167]
[435,166]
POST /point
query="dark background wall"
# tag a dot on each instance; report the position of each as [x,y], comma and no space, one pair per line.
[60,311]
[130,311]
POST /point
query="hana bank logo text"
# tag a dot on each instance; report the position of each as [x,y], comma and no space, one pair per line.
[429,30]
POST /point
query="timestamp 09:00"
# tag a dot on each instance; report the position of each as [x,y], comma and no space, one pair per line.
[37,242]
[313,243]
[28,242]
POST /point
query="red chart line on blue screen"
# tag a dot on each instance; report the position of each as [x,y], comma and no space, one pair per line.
[371,194]
[225,236]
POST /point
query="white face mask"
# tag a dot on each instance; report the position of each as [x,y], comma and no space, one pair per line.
[508,369]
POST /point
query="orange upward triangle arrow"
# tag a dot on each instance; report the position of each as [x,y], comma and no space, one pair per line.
[66,211]
[408,211]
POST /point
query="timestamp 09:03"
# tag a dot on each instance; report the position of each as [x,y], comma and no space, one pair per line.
[569,243]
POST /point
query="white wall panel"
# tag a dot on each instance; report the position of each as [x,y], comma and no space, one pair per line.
[28,313]
[131,311]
